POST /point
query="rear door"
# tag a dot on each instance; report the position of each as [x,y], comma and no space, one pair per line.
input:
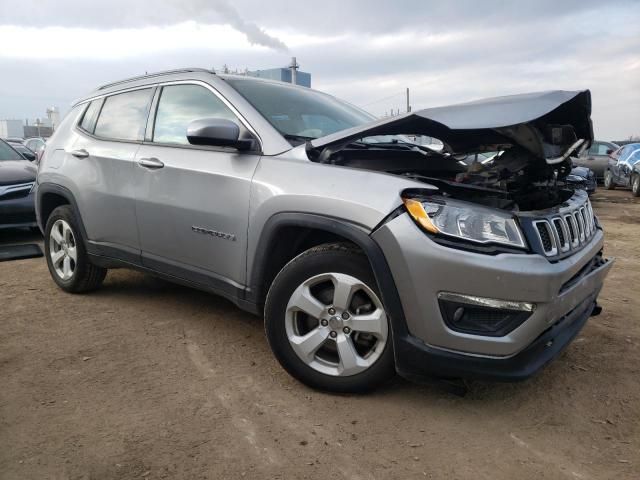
[112,130]
[192,202]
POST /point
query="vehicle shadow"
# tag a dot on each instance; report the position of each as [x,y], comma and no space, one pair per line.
[207,311]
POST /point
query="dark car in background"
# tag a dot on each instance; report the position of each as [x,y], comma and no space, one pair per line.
[582,178]
[596,157]
[17,178]
[25,152]
[623,169]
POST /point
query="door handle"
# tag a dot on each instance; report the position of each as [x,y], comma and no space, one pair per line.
[82,153]
[151,163]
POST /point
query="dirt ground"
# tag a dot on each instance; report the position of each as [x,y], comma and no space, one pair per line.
[145,379]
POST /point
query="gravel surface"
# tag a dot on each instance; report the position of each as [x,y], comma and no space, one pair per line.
[145,379]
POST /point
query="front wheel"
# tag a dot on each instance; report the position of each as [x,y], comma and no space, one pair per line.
[635,185]
[325,321]
[608,181]
[66,255]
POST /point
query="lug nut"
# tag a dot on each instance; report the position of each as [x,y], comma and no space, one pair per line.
[324,322]
[345,315]
[332,311]
[333,334]
[346,330]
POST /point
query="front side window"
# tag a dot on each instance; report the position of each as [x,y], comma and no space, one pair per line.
[124,116]
[180,105]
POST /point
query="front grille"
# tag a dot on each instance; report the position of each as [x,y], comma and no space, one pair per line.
[568,230]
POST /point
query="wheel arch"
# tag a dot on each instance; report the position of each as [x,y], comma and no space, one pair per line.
[269,257]
[49,197]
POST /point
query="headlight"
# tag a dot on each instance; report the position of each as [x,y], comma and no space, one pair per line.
[473,223]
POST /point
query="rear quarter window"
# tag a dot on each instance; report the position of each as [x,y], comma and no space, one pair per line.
[90,116]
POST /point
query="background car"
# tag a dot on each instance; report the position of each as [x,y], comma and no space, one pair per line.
[24,151]
[17,178]
[582,178]
[34,143]
[623,169]
[596,157]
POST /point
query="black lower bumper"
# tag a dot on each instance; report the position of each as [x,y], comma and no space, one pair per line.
[18,212]
[415,360]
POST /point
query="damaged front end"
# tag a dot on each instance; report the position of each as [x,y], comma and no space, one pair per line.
[512,152]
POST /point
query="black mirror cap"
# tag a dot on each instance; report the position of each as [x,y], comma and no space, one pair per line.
[218,132]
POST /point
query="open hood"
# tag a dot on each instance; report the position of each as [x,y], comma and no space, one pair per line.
[550,125]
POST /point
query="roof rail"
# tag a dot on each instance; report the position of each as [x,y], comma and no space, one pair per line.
[155,74]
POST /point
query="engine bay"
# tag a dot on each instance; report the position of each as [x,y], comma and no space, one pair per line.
[500,176]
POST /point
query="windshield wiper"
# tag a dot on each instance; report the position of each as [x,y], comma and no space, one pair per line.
[297,138]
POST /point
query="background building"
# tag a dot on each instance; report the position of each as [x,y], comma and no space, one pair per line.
[11,128]
[285,74]
[40,127]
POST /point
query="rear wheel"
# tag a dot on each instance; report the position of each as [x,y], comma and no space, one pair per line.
[635,185]
[608,180]
[325,321]
[66,255]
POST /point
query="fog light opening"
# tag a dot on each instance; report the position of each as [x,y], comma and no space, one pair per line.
[482,316]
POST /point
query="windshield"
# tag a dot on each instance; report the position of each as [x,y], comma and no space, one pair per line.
[8,153]
[298,112]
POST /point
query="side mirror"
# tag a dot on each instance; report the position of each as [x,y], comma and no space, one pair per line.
[218,132]
[609,151]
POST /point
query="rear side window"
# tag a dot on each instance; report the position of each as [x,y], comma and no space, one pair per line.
[179,105]
[124,116]
[90,115]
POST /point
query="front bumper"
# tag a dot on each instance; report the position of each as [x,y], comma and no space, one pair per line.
[415,360]
[18,212]
[564,292]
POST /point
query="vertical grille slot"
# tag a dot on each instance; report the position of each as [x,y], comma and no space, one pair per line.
[587,223]
[546,237]
[562,232]
[573,230]
[580,222]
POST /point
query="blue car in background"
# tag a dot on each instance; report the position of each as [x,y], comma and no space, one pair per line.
[623,169]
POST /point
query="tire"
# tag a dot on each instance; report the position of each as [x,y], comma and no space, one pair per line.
[66,254]
[635,185]
[352,357]
[608,181]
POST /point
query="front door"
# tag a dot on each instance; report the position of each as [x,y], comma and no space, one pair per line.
[192,202]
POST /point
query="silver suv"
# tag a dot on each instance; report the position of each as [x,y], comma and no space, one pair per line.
[367,252]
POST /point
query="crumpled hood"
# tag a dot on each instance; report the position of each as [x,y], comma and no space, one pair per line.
[14,172]
[548,124]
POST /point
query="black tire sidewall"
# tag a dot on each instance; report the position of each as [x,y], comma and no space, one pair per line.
[309,264]
[82,263]
[635,180]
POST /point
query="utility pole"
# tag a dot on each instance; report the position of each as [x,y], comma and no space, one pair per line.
[408,104]
[294,70]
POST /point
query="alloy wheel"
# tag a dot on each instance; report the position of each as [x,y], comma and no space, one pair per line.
[62,249]
[336,324]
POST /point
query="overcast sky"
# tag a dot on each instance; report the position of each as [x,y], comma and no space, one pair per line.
[367,52]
